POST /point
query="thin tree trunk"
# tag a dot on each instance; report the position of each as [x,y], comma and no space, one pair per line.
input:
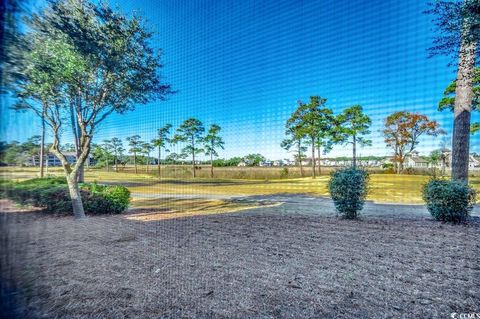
[313,158]
[401,163]
[300,158]
[193,158]
[116,163]
[159,157]
[193,164]
[462,112]
[108,168]
[135,162]
[319,164]
[211,165]
[42,145]
[354,162]
[148,160]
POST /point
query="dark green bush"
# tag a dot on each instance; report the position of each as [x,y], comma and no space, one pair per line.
[118,198]
[348,188]
[53,196]
[284,173]
[449,201]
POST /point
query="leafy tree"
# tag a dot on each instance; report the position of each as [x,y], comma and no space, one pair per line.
[234,161]
[190,132]
[352,125]
[83,57]
[117,149]
[147,148]
[102,155]
[294,141]
[161,142]
[254,159]
[135,147]
[402,133]
[31,148]
[211,143]
[312,121]
[12,154]
[458,24]
[107,150]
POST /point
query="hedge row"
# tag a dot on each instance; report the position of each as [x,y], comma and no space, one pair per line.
[52,195]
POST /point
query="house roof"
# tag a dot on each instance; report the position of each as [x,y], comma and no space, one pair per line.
[418,160]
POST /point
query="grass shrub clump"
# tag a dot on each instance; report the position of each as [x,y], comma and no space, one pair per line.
[449,201]
[348,188]
[53,196]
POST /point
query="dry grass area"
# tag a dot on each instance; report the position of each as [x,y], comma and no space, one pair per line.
[252,264]
[384,188]
[168,208]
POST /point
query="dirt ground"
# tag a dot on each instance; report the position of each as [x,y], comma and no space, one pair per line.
[249,264]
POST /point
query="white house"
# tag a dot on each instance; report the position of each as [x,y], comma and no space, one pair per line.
[52,160]
[266,164]
[415,161]
[242,164]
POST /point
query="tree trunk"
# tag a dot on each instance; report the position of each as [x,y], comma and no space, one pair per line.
[300,158]
[193,158]
[74,190]
[135,162]
[42,146]
[108,168]
[116,163]
[81,173]
[319,164]
[148,162]
[193,164]
[462,112]
[354,161]
[159,157]
[401,165]
[211,165]
[313,158]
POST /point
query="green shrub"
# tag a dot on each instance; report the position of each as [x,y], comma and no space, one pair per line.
[449,201]
[53,196]
[348,188]
[118,198]
[284,173]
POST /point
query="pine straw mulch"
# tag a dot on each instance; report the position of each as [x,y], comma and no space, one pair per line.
[240,265]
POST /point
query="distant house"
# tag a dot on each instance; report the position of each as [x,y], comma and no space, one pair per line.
[242,164]
[266,164]
[278,163]
[52,160]
[474,162]
[415,161]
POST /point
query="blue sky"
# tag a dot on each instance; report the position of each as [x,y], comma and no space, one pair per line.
[244,64]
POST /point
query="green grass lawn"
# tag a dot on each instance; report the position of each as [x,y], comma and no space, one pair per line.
[384,188]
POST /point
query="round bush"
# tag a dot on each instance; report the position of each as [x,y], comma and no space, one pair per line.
[449,201]
[118,198]
[348,188]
